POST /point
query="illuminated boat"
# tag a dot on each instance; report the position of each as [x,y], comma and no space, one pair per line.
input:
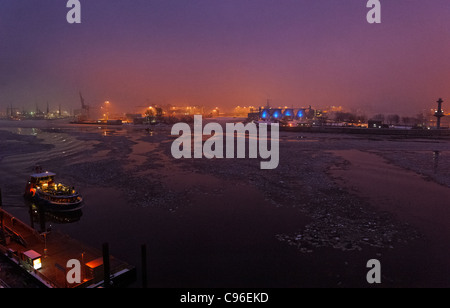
[42,189]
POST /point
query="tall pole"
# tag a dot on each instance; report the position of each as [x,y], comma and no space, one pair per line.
[1,216]
[439,113]
[41,215]
[144,265]
[106,266]
[2,234]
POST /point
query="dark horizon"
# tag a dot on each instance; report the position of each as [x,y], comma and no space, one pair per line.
[226,53]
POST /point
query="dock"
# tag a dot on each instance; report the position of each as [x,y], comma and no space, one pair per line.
[45,257]
[412,133]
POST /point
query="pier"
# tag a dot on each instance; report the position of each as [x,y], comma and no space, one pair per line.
[45,256]
[413,133]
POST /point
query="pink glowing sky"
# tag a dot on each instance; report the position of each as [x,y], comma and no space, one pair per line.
[226,53]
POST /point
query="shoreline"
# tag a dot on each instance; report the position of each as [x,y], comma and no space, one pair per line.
[397,132]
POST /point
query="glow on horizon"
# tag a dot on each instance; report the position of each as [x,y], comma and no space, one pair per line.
[226,53]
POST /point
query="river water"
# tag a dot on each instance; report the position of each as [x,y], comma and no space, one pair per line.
[314,221]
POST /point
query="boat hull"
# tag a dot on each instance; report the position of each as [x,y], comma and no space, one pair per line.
[55,206]
[59,207]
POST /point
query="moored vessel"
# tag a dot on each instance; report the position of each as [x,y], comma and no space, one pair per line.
[42,189]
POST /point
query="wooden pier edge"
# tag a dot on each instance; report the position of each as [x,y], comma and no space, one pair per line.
[55,250]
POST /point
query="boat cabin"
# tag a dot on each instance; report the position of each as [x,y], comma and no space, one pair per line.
[42,178]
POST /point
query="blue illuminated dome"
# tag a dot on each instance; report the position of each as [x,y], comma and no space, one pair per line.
[277,114]
[288,113]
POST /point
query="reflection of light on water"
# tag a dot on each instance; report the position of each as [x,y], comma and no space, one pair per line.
[24,131]
[44,220]
[436,160]
[111,132]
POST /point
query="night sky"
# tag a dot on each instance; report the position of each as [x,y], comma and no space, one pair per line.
[226,53]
